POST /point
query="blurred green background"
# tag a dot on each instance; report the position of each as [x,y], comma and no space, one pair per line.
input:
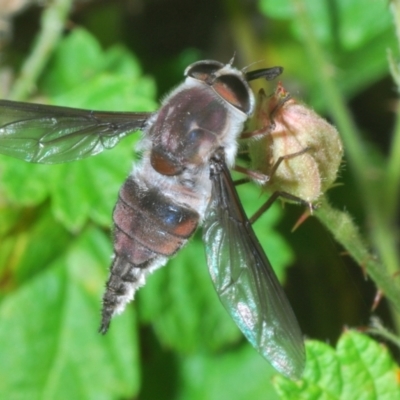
[176,341]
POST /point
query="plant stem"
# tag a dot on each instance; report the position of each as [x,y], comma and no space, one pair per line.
[341,225]
[381,233]
[52,24]
[376,328]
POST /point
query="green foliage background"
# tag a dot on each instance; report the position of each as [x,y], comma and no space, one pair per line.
[176,341]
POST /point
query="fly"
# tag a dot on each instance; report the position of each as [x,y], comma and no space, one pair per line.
[182,181]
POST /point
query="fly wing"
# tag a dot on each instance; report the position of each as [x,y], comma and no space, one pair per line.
[245,280]
[50,134]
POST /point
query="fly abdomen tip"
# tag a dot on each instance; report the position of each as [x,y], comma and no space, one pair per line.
[105,324]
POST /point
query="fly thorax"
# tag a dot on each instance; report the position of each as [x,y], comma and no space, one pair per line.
[187,130]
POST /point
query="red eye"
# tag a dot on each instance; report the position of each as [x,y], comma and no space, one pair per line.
[227,94]
[234,91]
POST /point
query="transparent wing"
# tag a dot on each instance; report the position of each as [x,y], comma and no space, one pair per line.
[49,134]
[245,280]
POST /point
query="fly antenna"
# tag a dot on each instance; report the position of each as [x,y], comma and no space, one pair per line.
[268,73]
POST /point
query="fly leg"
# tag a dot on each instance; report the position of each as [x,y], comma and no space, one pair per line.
[260,177]
[254,175]
[271,200]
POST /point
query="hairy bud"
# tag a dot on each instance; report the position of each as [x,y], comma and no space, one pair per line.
[299,150]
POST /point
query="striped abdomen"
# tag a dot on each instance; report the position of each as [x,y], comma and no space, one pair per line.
[149,228]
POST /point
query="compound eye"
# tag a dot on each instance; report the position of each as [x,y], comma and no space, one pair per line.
[202,70]
[232,89]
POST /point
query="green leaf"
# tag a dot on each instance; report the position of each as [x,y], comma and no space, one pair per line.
[79,190]
[89,188]
[109,80]
[37,243]
[54,319]
[239,375]
[110,93]
[78,58]
[335,20]
[359,369]
[121,62]
[24,184]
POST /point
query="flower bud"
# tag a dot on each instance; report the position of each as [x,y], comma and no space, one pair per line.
[311,147]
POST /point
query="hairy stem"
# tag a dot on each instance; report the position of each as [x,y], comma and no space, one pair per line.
[342,227]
